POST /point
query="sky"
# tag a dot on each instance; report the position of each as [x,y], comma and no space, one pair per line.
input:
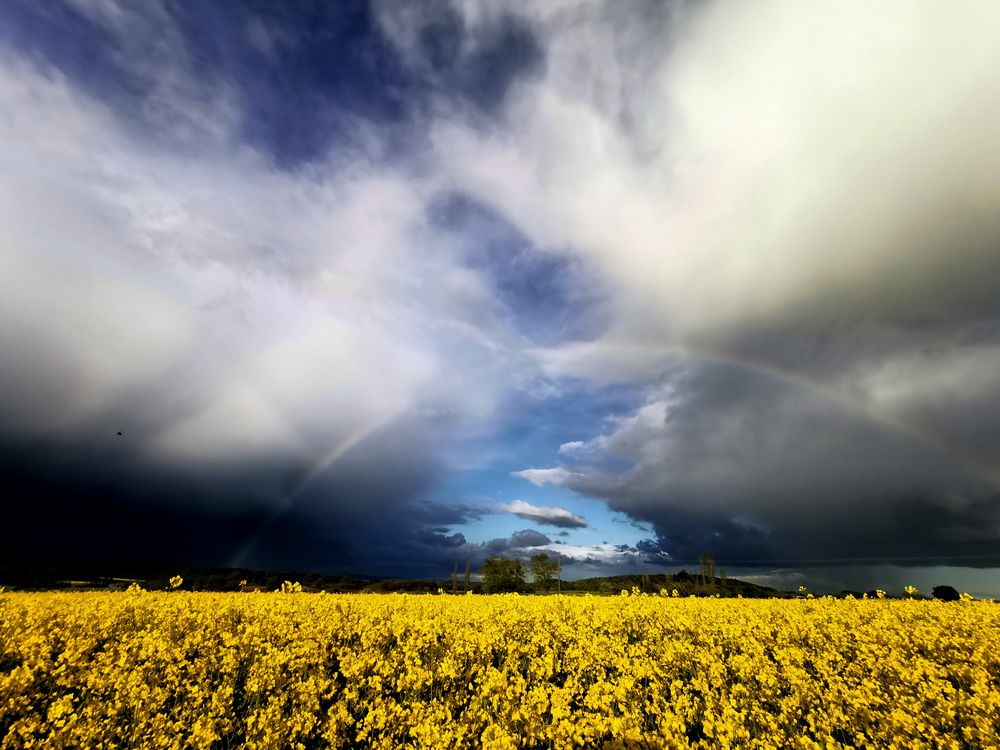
[378,287]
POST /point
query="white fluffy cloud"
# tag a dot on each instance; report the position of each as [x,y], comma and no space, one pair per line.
[781,161]
[783,175]
[541,477]
[217,309]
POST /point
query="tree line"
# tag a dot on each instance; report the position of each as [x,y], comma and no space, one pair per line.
[501,574]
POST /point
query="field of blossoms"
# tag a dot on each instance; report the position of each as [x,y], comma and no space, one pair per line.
[280,670]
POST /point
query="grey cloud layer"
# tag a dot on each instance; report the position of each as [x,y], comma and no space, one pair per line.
[791,210]
[796,208]
[261,306]
[760,470]
[545,514]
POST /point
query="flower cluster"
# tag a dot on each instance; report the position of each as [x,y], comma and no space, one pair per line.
[204,670]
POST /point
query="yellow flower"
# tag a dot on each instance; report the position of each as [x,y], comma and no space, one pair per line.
[98,669]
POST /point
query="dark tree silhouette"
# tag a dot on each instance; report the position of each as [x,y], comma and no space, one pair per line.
[945,593]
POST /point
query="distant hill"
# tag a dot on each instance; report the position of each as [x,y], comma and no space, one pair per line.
[687,584]
[80,576]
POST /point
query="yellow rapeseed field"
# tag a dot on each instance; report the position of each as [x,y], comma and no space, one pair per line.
[291,670]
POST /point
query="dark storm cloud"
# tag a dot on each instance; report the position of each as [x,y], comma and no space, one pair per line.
[108,502]
[107,506]
[296,254]
[439,516]
[434,538]
[110,508]
[753,468]
[518,540]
